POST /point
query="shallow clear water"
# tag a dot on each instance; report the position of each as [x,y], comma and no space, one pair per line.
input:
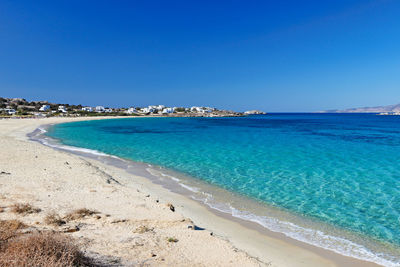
[338,169]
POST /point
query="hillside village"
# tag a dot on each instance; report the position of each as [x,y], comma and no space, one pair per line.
[19,107]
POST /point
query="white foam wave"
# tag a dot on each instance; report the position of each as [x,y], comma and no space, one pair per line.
[75,149]
[193,189]
[177,180]
[42,130]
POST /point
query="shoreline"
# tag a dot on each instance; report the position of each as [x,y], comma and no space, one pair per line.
[250,237]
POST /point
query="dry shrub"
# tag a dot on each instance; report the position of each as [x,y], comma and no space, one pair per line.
[79,214]
[42,249]
[24,209]
[1,209]
[54,219]
[172,239]
[143,229]
[9,229]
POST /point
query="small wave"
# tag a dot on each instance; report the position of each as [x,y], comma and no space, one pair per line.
[193,189]
[177,180]
[73,148]
[42,130]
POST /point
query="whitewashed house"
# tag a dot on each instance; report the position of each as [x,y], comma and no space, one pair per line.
[194,109]
[44,108]
[108,110]
[100,109]
[201,109]
[62,109]
[131,111]
[150,109]
[168,110]
[87,109]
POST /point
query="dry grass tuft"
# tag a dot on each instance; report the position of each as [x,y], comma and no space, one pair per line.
[9,229]
[54,219]
[143,229]
[172,239]
[42,249]
[79,214]
[24,209]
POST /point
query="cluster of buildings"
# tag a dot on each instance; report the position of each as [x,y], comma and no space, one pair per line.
[22,107]
[98,109]
[159,109]
[390,113]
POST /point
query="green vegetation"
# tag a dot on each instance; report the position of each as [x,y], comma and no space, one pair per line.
[180,109]
[172,239]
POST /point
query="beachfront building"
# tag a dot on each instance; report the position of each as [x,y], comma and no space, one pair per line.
[44,108]
[149,109]
[87,109]
[195,109]
[201,109]
[62,109]
[108,110]
[131,111]
[168,110]
[100,109]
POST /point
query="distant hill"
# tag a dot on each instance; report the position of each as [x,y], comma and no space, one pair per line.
[391,108]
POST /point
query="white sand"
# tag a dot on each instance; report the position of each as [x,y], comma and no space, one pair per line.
[56,181]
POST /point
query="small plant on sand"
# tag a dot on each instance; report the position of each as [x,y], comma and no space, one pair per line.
[54,219]
[24,209]
[79,214]
[143,229]
[172,239]
[42,249]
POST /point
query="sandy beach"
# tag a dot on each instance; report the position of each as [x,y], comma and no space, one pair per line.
[134,223]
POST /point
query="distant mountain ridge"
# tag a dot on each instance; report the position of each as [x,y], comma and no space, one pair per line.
[379,109]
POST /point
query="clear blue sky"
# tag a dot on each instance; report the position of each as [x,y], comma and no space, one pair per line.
[271,55]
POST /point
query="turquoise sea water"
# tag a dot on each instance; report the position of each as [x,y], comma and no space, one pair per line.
[340,170]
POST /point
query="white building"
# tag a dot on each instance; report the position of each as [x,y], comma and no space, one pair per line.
[201,109]
[131,111]
[100,109]
[160,107]
[149,109]
[44,108]
[62,109]
[87,109]
[108,110]
[195,109]
[168,110]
